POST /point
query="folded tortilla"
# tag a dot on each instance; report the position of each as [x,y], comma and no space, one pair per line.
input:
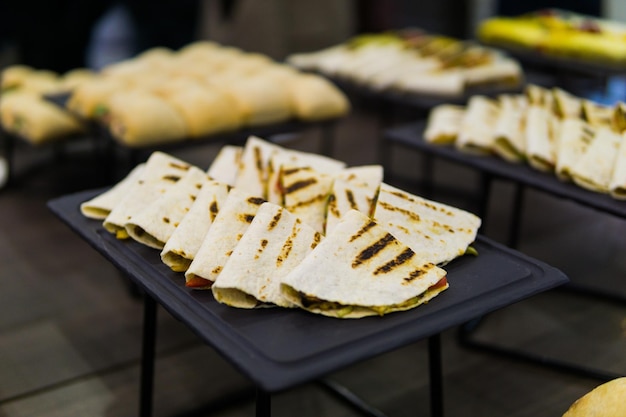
[444,124]
[154,225]
[306,193]
[275,242]
[594,169]
[542,131]
[575,136]
[617,186]
[161,171]
[360,270]
[206,111]
[90,99]
[477,126]
[433,230]
[231,222]
[138,118]
[354,188]
[101,205]
[225,166]
[253,166]
[597,114]
[440,83]
[183,245]
[31,117]
[315,98]
[293,158]
[510,141]
[566,105]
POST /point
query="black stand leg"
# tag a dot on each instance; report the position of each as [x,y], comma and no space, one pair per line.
[436,379]
[147,356]
[351,398]
[263,403]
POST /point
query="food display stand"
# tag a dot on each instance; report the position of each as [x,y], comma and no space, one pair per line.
[410,136]
[278,349]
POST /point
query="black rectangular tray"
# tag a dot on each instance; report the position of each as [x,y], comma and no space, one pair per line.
[280,348]
[411,136]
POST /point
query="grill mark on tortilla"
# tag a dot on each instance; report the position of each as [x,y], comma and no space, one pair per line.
[213,209]
[192,197]
[317,238]
[178,166]
[287,246]
[262,246]
[245,217]
[173,178]
[363,230]
[350,197]
[413,216]
[292,171]
[310,201]
[404,257]
[299,185]
[216,270]
[422,203]
[373,249]
[256,200]
[166,220]
[275,219]
[258,160]
[332,205]
[198,186]
[417,273]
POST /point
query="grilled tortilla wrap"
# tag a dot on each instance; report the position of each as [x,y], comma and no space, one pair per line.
[575,137]
[139,118]
[225,166]
[275,242]
[354,188]
[316,98]
[444,124]
[617,186]
[542,129]
[360,269]
[306,193]
[36,120]
[183,245]
[160,173]
[509,140]
[154,225]
[433,230]
[101,205]
[594,169]
[292,158]
[253,166]
[476,132]
[231,222]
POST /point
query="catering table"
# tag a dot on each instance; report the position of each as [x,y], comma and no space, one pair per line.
[304,347]
[410,136]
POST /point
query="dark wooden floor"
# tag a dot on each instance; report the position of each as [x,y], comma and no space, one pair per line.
[70,329]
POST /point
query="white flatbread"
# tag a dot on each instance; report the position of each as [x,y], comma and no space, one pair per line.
[160,173]
[477,127]
[542,129]
[306,194]
[509,131]
[433,230]
[225,166]
[154,225]
[231,222]
[444,124]
[595,168]
[617,186]
[101,205]
[575,136]
[275,242]
[360,270]
[354,188]
[253,166]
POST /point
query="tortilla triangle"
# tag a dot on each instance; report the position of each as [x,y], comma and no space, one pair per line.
[360,270]
[275,242]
